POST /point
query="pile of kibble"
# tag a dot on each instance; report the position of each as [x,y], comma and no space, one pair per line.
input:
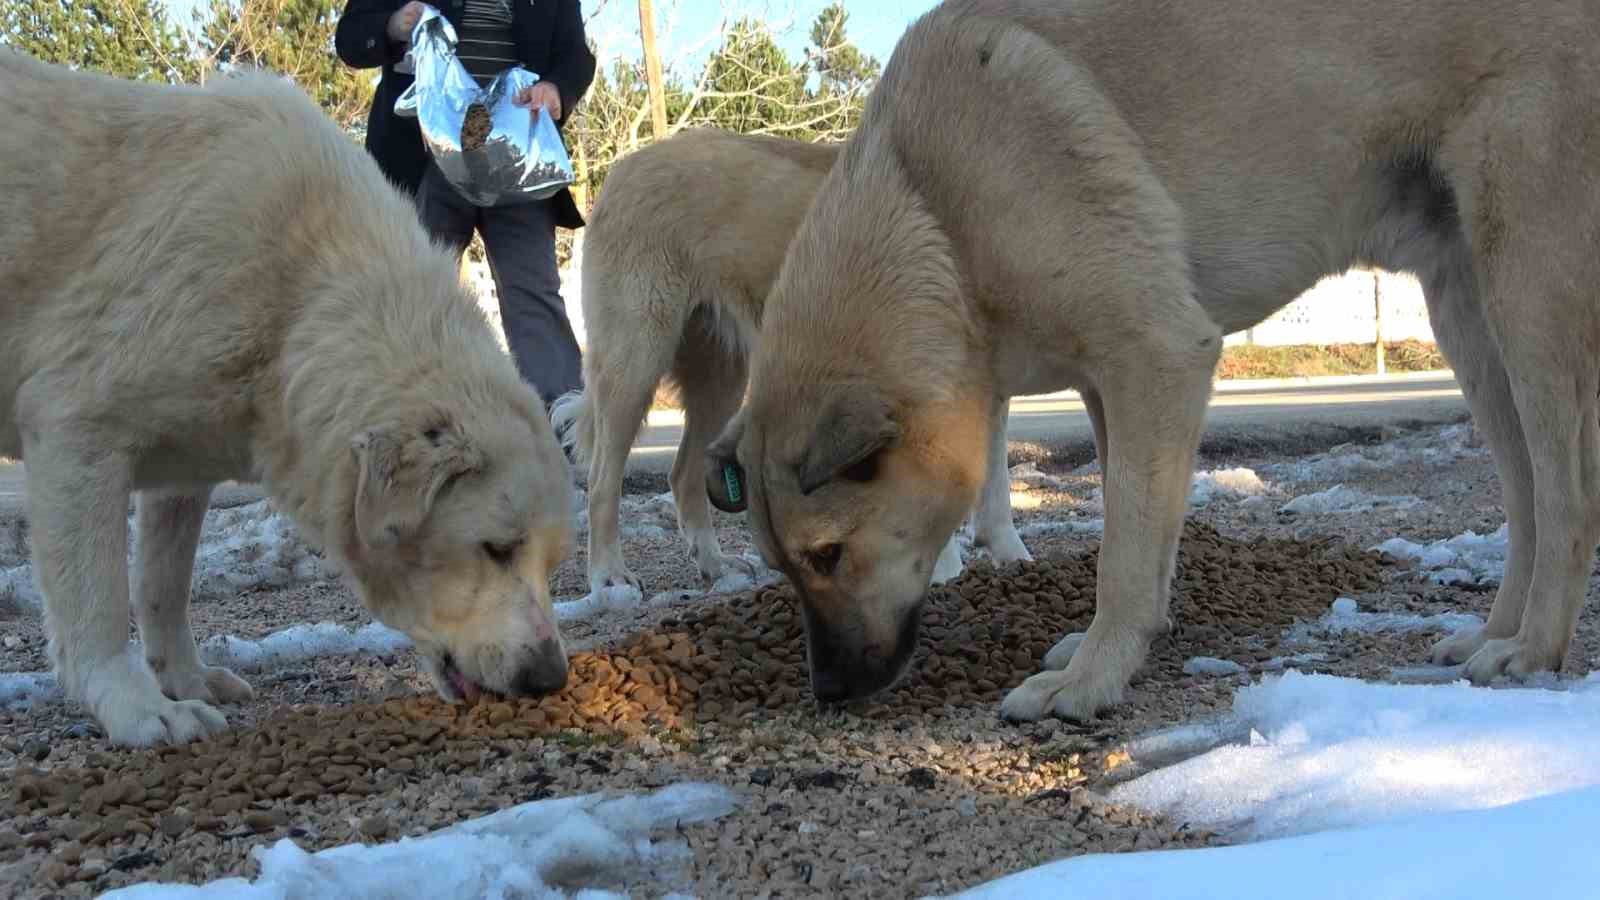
[475,127]
[732,661]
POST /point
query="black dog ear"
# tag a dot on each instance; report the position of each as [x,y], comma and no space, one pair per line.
[858,426]
[725,482]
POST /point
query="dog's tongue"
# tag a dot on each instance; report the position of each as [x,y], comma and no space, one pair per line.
[468,688]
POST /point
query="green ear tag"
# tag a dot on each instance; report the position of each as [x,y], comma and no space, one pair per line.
[730,479]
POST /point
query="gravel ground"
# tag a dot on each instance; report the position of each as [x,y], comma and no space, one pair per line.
[921,790]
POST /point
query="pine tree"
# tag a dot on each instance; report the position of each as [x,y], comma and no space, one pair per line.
[127,38]
[842,66]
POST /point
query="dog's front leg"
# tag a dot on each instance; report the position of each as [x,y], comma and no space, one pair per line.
[78,512]
[166,534]
[1154,395]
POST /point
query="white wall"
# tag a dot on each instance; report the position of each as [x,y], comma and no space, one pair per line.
[1338,310]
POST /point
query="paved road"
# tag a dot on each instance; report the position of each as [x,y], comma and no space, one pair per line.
[1263,408]
[1268,408]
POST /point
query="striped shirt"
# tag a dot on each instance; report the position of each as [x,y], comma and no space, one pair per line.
[484,43]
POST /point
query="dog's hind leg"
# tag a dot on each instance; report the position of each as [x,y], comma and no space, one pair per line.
[1096,409]
[710,372]
[166,533]
[1456,315]
[78,512]
[995,528]
[627,361]
[1530,217]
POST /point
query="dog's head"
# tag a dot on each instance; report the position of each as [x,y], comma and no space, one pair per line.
[853,499]
[459,518]
[862,444]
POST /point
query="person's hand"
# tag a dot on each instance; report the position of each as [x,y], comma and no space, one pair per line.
[542,94]
[404,19]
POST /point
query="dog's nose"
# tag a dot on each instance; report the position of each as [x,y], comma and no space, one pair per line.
[844,667]
[545,672]
[828,686]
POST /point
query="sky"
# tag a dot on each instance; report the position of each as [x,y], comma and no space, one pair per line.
[686,29]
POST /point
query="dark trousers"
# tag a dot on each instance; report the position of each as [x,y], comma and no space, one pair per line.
[520,240]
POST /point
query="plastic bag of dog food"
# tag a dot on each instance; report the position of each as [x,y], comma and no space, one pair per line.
[493,151]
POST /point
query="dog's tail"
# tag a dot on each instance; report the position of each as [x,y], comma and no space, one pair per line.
[572,417]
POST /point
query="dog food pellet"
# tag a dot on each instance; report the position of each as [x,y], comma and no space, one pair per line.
[475,128]
[175,824]
[263,821]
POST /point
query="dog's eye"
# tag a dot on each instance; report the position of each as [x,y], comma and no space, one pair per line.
[863,471]
[823,560]
[502,554]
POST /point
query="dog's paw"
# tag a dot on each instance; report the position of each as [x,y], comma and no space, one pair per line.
[1459,647]
[716,565]
[1096,668]
[1060,694]
[127,701]
[608,577]
[162,721]
[1007,548]
[1512,657]
[208,684]
[1061,654]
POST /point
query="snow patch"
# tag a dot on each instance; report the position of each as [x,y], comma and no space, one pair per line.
[1345,615]
[19,690]
[18,593]
[254,547]
[1212,667]
[1540,846]
[1279,663]
[1468,557]
[1342,499]
[1339,753]
[1222,484]
[1433,445]
[300,643]
[296,644]
[244,548]
[1051,527]
[591,844]
[653,518]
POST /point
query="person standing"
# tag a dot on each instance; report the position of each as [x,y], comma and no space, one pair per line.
[547,38]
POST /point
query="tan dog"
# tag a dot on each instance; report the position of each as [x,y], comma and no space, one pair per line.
[199,285]
[1084,194]
[685,241]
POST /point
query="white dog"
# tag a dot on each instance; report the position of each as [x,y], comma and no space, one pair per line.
[199,285]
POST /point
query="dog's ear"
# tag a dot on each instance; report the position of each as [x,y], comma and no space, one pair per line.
[859,424]
[400,470]
[725,482]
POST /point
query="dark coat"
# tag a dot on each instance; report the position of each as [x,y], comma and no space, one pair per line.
[549,42]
